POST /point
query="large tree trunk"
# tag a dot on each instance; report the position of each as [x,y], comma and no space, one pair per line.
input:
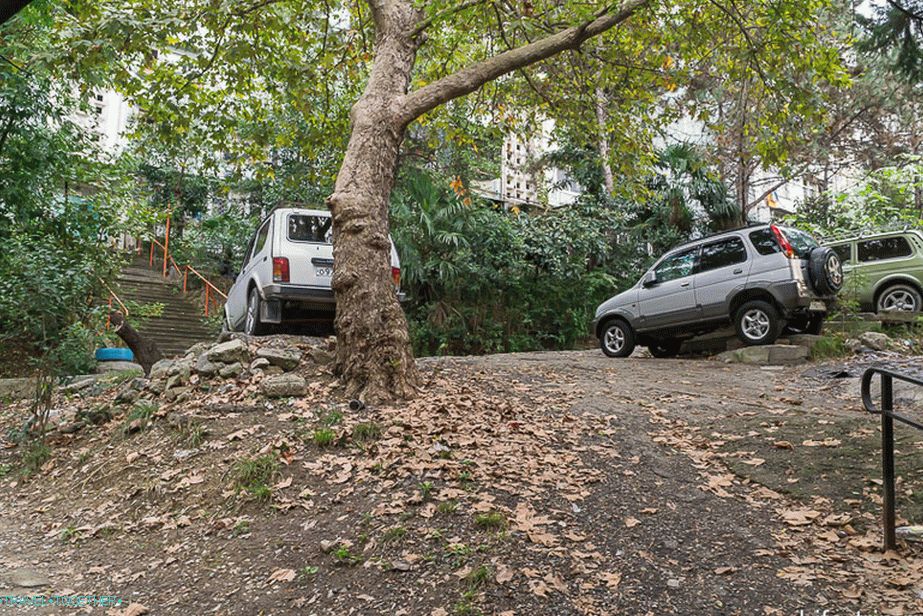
[146,352]
[374,357]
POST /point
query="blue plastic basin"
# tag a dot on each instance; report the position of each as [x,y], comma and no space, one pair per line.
[114,354]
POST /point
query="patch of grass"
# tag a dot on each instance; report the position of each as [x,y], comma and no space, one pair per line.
[829,347]
[69,533]
[324,437]
[192,434]
[309,571]
[366,432]
[5,470]
[331,418]
[465,606]
[34,457]
[478,577]
[447,507]
[492,520]
[141,413]
[254,476]
[395,533]
[241,528]
[426,488]
[344,557]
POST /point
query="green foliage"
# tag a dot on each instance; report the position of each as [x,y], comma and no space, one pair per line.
[215,243]
[366,432]
[492,520]
[829,347]
[35,455]
[888,197]
[324,437]
[253,475]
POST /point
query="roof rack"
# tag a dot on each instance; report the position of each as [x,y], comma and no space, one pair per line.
[859,234]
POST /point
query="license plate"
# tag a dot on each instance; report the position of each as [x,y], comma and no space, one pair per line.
[323,272]
[817,306]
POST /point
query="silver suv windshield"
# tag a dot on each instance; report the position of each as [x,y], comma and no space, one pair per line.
[800,241]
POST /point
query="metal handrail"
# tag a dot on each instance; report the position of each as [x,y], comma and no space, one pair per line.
[886,411]
[210,288]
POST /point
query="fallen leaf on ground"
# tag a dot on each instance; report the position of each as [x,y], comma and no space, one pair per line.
[282,575]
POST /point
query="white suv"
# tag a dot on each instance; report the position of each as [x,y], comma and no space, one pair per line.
[286,273]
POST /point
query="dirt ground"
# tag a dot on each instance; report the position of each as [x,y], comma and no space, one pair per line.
[536,483]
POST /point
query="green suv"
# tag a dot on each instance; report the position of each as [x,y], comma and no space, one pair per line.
[891,268]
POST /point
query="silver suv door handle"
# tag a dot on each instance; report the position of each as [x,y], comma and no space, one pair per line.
[685,284]
[738,271]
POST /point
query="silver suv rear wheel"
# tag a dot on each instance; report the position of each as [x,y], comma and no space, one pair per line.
[757,322]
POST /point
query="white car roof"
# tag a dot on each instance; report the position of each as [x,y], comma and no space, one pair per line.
[300,210]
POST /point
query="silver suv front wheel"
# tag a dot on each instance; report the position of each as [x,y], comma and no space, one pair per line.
[757,322]
[617,339]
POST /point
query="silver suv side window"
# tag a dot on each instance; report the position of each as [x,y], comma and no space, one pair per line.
[884,248]
[677,266]
[721,254]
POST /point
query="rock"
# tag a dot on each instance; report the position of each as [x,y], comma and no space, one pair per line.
[174,381]
[71,428]
[321,356]
[95,416]
[105,367]
[197,349]
[767,355]
[805,340]
[876,341]
[232,351]
[287,359]
[156,387]
[854,345]
[273,370]
[673,583]
[161,369]
[79,384]
[205,367]
[127,394]
[259,363]
[400,565]
[28,578]
[283,386]
[176,393]
[231,370]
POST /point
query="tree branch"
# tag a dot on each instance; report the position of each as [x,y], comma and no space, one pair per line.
[469,79]
[906,11]
[426,23]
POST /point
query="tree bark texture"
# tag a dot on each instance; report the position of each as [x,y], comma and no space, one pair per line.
[602,143]
[374,356]
[146,352]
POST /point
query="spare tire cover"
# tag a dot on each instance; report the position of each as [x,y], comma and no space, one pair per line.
[826,271]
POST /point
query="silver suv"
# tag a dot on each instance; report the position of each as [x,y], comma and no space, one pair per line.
[761,278]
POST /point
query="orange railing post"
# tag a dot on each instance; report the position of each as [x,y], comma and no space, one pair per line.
[151,264]
[166,243]
[109,314]
[185,277]
[206,299]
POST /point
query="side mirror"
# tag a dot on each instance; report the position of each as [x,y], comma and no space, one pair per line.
[650,279]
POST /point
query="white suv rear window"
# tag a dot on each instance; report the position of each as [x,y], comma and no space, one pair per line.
[307,228]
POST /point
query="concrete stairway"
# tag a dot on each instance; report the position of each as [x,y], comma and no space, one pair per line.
[181,323]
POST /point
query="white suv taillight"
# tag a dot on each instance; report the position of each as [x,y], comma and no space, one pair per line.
[280,269]
[396,277]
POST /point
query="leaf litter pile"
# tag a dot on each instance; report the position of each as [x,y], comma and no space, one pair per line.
[496,491]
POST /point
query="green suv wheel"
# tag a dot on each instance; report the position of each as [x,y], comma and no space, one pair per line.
[899,297]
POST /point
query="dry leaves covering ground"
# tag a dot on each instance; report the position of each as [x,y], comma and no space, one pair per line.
[524,484]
